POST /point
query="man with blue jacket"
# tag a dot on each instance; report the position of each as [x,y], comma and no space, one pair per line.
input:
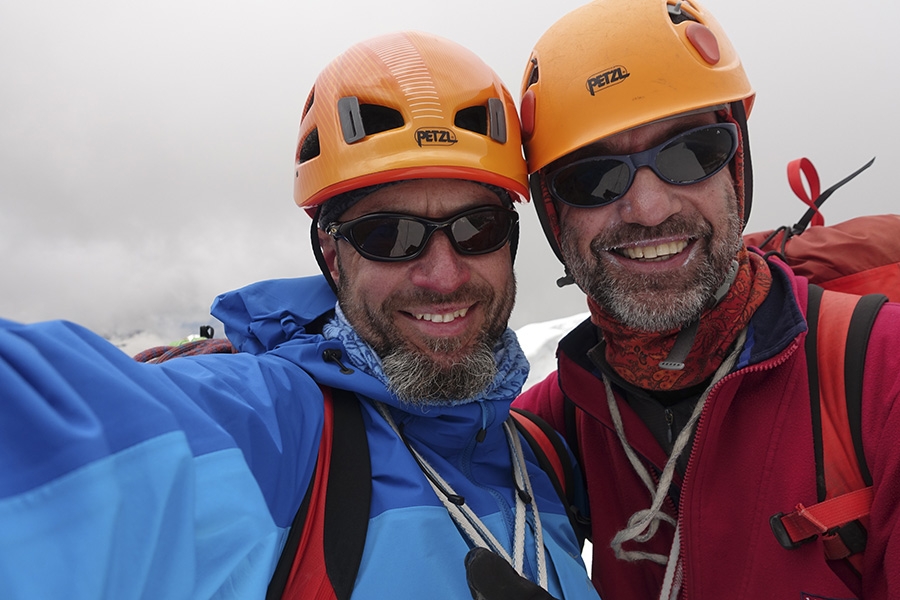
[120,479]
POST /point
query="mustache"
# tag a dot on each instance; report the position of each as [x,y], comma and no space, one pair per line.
[469,293]
[631,233]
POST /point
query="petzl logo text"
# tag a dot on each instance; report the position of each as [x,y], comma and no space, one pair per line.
[609,77]
[435,137]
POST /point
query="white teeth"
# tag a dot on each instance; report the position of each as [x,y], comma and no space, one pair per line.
[658,251]
[442,318]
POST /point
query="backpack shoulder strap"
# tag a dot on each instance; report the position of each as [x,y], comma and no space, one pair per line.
[327,537]
[349,495]
[839,327]
[843,335]
[553,458]
[548,448]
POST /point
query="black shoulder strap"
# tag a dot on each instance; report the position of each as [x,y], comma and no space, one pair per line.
[348,497]
[571,419]
[812,374]
[857,341]
[349,494]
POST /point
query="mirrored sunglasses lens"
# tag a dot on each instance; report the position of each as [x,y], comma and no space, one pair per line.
[482,232]
[696,155]
[592,182]
[388,237]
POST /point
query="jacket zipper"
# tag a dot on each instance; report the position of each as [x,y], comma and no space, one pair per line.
[780,359]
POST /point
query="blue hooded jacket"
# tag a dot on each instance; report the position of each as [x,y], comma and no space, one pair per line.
[123,480]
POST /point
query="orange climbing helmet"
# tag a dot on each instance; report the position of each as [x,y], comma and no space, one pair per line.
[610,66]
[406,106]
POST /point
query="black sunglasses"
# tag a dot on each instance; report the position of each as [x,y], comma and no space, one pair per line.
[390,237]
[689,157]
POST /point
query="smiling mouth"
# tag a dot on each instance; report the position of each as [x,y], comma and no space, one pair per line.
[441,317]
[655,252]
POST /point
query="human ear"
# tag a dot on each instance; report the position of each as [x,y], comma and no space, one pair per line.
[329,254]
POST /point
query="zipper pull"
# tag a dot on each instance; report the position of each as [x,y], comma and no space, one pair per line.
[334,355]
[670,421]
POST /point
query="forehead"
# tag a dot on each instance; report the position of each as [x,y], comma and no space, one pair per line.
[426,198]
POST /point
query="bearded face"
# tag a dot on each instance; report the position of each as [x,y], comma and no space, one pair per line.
[433,320]
[435,369]
[657,277]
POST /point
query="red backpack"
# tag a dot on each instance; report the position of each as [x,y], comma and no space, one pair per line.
[858,256]
[855,268]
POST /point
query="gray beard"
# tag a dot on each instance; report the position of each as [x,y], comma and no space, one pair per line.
[634,305]
[419,381]
[661,303]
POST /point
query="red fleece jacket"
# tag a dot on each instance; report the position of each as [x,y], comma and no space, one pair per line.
[752,457]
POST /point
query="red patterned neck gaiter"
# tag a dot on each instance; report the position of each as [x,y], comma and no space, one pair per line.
[635,355]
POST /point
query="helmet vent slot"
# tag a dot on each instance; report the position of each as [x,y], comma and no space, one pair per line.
[377,118]
[678,12]
[473,118]
[309,147]
[359,120]
[309,102]
[486,120]
[533,75]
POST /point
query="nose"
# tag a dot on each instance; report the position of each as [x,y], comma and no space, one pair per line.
[440,268]
[649,201]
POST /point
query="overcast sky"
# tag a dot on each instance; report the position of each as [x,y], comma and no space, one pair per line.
[146,149]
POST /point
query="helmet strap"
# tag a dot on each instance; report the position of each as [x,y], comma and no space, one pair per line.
[548,224]
[317,250]
[739,114]
[684,341]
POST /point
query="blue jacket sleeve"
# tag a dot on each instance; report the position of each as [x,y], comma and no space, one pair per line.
[124,480]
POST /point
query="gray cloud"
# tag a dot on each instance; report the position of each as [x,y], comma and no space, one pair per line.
[146,149]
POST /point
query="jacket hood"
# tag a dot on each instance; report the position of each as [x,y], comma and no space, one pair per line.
[263,315]
[283,317]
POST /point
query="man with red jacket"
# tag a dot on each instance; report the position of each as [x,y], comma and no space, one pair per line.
[689,379]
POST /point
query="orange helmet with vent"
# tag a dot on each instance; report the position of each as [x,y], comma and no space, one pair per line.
[610,66]
[406,106]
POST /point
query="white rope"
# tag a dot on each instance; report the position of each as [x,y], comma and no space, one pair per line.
[523,481]
[643,524]
[674,569]
[466,519]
